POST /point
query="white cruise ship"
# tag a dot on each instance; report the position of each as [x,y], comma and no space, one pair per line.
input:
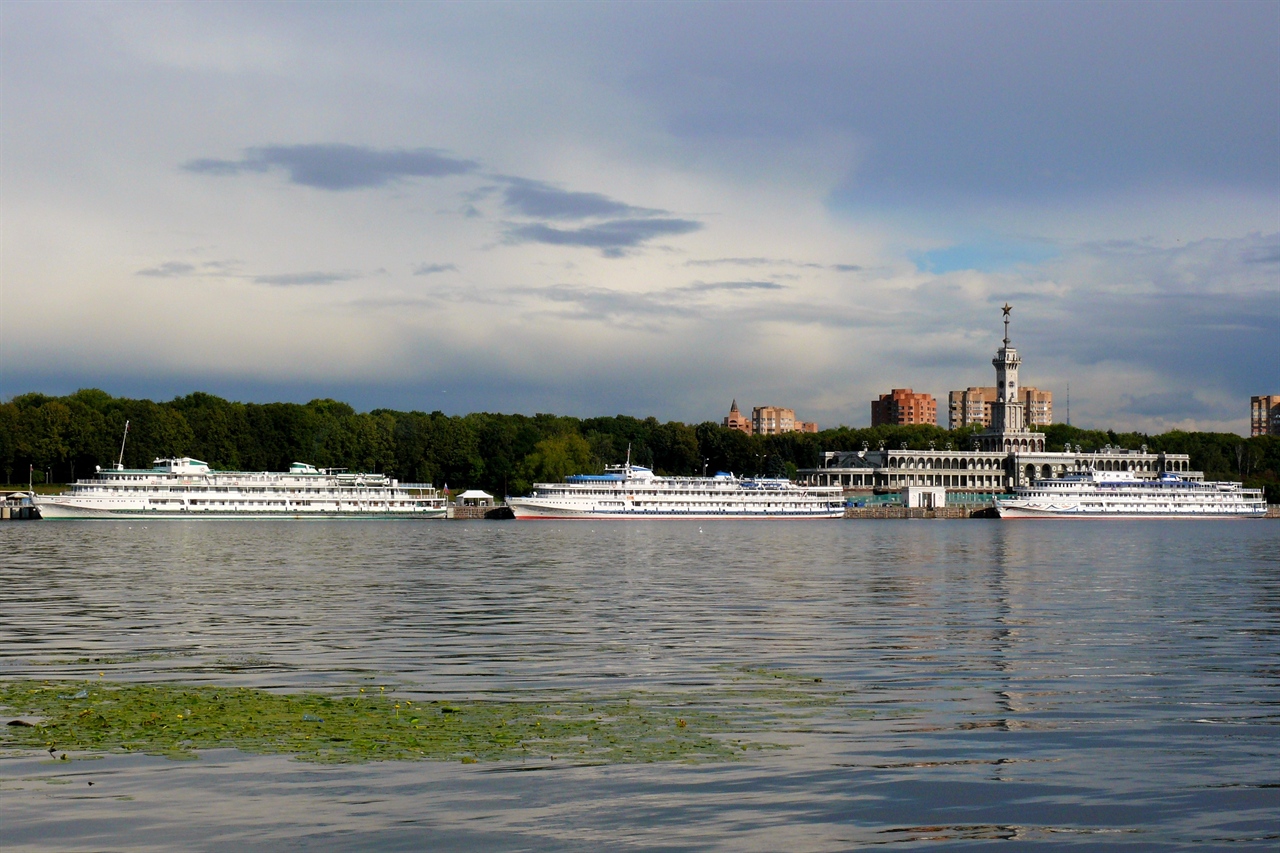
[187,488]
[631,491]
[1118,494]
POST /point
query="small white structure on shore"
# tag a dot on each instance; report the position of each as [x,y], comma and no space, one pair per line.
[475,497]
[926,497]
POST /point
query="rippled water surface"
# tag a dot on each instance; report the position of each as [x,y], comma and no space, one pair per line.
[1065,684]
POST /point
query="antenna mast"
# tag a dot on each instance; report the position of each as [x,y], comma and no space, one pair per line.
[1068,404]
[120,464]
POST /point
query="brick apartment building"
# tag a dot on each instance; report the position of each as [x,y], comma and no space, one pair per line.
[903,406]
[735,420]
[1264,415]
[972,406]
[767,420]
[774,420]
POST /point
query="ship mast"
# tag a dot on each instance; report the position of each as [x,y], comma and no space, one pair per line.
[120,464]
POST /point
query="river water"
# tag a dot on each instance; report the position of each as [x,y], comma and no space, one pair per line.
[1066,684]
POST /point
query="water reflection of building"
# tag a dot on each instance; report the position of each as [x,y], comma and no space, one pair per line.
[1004,455]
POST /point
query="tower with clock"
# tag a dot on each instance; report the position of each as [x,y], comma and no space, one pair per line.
[1008,430]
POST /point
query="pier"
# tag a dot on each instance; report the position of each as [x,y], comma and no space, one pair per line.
[899,511]
[18,506]
[491,512]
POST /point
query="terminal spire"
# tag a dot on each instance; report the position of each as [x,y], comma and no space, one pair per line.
[1007,308]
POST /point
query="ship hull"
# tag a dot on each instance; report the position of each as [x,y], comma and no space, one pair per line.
[58,511]
[527,511]
[1020,511]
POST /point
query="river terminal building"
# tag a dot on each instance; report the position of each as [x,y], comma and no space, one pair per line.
[1005,455]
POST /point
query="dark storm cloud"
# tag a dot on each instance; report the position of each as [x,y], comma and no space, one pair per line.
[751,262]
[432,269]
[169,269]
[181,269]
[710,286]
[338,167]
[1263,255]
[543,201]
[611,237]
[617,306]
[944,100]
[303,278]
[1200,314]
[598,303]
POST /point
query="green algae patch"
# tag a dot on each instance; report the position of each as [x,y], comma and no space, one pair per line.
[177,721]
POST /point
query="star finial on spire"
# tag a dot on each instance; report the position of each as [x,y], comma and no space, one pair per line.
[1007,308]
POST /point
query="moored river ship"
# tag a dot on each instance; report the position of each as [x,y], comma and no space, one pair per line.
[632,491]
[1119,494]
[188,488]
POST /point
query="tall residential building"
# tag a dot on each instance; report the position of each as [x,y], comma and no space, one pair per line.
[735,420]
[1264,415]
[1039,406]
[767,420]
[774,420]
[903,406]
[972,406]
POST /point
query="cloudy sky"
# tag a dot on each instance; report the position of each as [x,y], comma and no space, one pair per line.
[602,208]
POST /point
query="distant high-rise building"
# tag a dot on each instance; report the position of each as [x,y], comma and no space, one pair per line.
[1039,406]
[767,420]
[903,406]
[1264,415]
[775,420]
[772,420]
[735,420]
[972,406]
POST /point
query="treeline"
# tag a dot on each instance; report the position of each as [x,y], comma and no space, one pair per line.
[66,437]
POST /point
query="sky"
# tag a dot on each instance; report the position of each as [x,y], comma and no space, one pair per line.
[644,208]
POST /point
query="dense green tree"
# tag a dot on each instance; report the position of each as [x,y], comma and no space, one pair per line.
[8,439]
[218,428]
[44,434]
[503,454]
[557,457]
